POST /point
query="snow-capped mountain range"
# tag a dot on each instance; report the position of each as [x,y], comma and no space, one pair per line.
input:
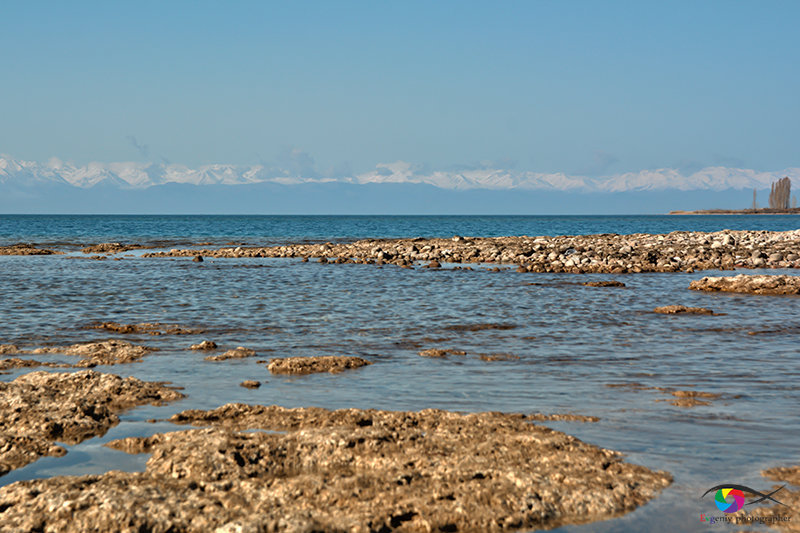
[135,175]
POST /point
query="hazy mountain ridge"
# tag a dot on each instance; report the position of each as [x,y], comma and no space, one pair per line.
[135,175]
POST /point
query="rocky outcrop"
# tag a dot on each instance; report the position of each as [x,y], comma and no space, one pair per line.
[682,310]
[25,249]
[151,328]
[312,365]
[744,283]
[205,345]
[441,352]
[110,248]
[110,352]
[781,517]
[605,253]
[237,353]
[349,470]
[40,408]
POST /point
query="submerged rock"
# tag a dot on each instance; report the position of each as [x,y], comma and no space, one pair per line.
[40,408]
[151,328]
[205,345]
[237,353]
[780,517]
[250,384]
[110,352]
[479,327]
[348,470]
[439,352]
[749,284]
[313,365]
[603,284]
[682,310]
[110,248]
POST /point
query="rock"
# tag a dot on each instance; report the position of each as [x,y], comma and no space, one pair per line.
[108,352]
[312,365]
[25,249]
[151,328]
[499,357]
[349,470]
[205,345]
[774,258]
[779,516]
[434,264]
[110,248]
[603,284]
[715,245]
[792,257]
[434,352]
[625,250]
[743,283]
[250,384]
[39,408]
[8,349]
[237,353]
[727,240]
[198,259]
[682,310]
[16,362]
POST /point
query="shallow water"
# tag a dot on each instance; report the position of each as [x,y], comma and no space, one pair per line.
[573,341]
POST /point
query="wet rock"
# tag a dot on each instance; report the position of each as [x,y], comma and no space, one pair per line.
[539,417]
[436,352]
[780,517]
[205,345]
[682,398]
[348,470]
[312,365]
[8,349]
[237,353]
[499,357]
[479,327]
[682,310]
[603,284]
[110,248]
[39,408]
[743,283]
[16,362]
[151,328]
[250,384]
[198,259]
[25,249]
[434,264]
[108,352]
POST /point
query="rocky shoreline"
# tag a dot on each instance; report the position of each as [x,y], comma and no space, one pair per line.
[311,469]
[604,253]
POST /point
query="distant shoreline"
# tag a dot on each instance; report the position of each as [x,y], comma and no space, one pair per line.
[762,211]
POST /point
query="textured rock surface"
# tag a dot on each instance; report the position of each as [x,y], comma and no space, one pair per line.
[349,470]
[151,328]
[110,248]
[749,284]
[607,253]
[40,408]
[205,345]
[25,249]
[108,352]
[603,284]
[682,310]
[774,516]
[237,353]
[438,352]
[313,365]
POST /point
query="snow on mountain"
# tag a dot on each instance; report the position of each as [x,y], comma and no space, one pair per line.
[133,175]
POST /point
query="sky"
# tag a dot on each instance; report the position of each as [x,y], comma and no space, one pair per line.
[336,88]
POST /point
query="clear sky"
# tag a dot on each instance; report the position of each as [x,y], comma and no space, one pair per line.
[581,87]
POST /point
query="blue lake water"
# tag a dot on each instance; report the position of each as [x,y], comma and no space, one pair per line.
[572,341]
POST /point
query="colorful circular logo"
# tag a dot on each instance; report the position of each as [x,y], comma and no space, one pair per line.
[721,499]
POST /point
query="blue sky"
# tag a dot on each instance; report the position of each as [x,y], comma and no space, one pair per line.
[591,88]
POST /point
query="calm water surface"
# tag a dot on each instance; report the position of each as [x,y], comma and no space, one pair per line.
[573,341]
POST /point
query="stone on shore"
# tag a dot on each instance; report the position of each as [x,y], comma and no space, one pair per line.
[350,470]
[745,283]
[237,353]
[312,365]
[40,408]
[682,310]
[25,249]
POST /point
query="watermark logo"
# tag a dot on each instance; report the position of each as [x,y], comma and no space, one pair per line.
[729,497]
